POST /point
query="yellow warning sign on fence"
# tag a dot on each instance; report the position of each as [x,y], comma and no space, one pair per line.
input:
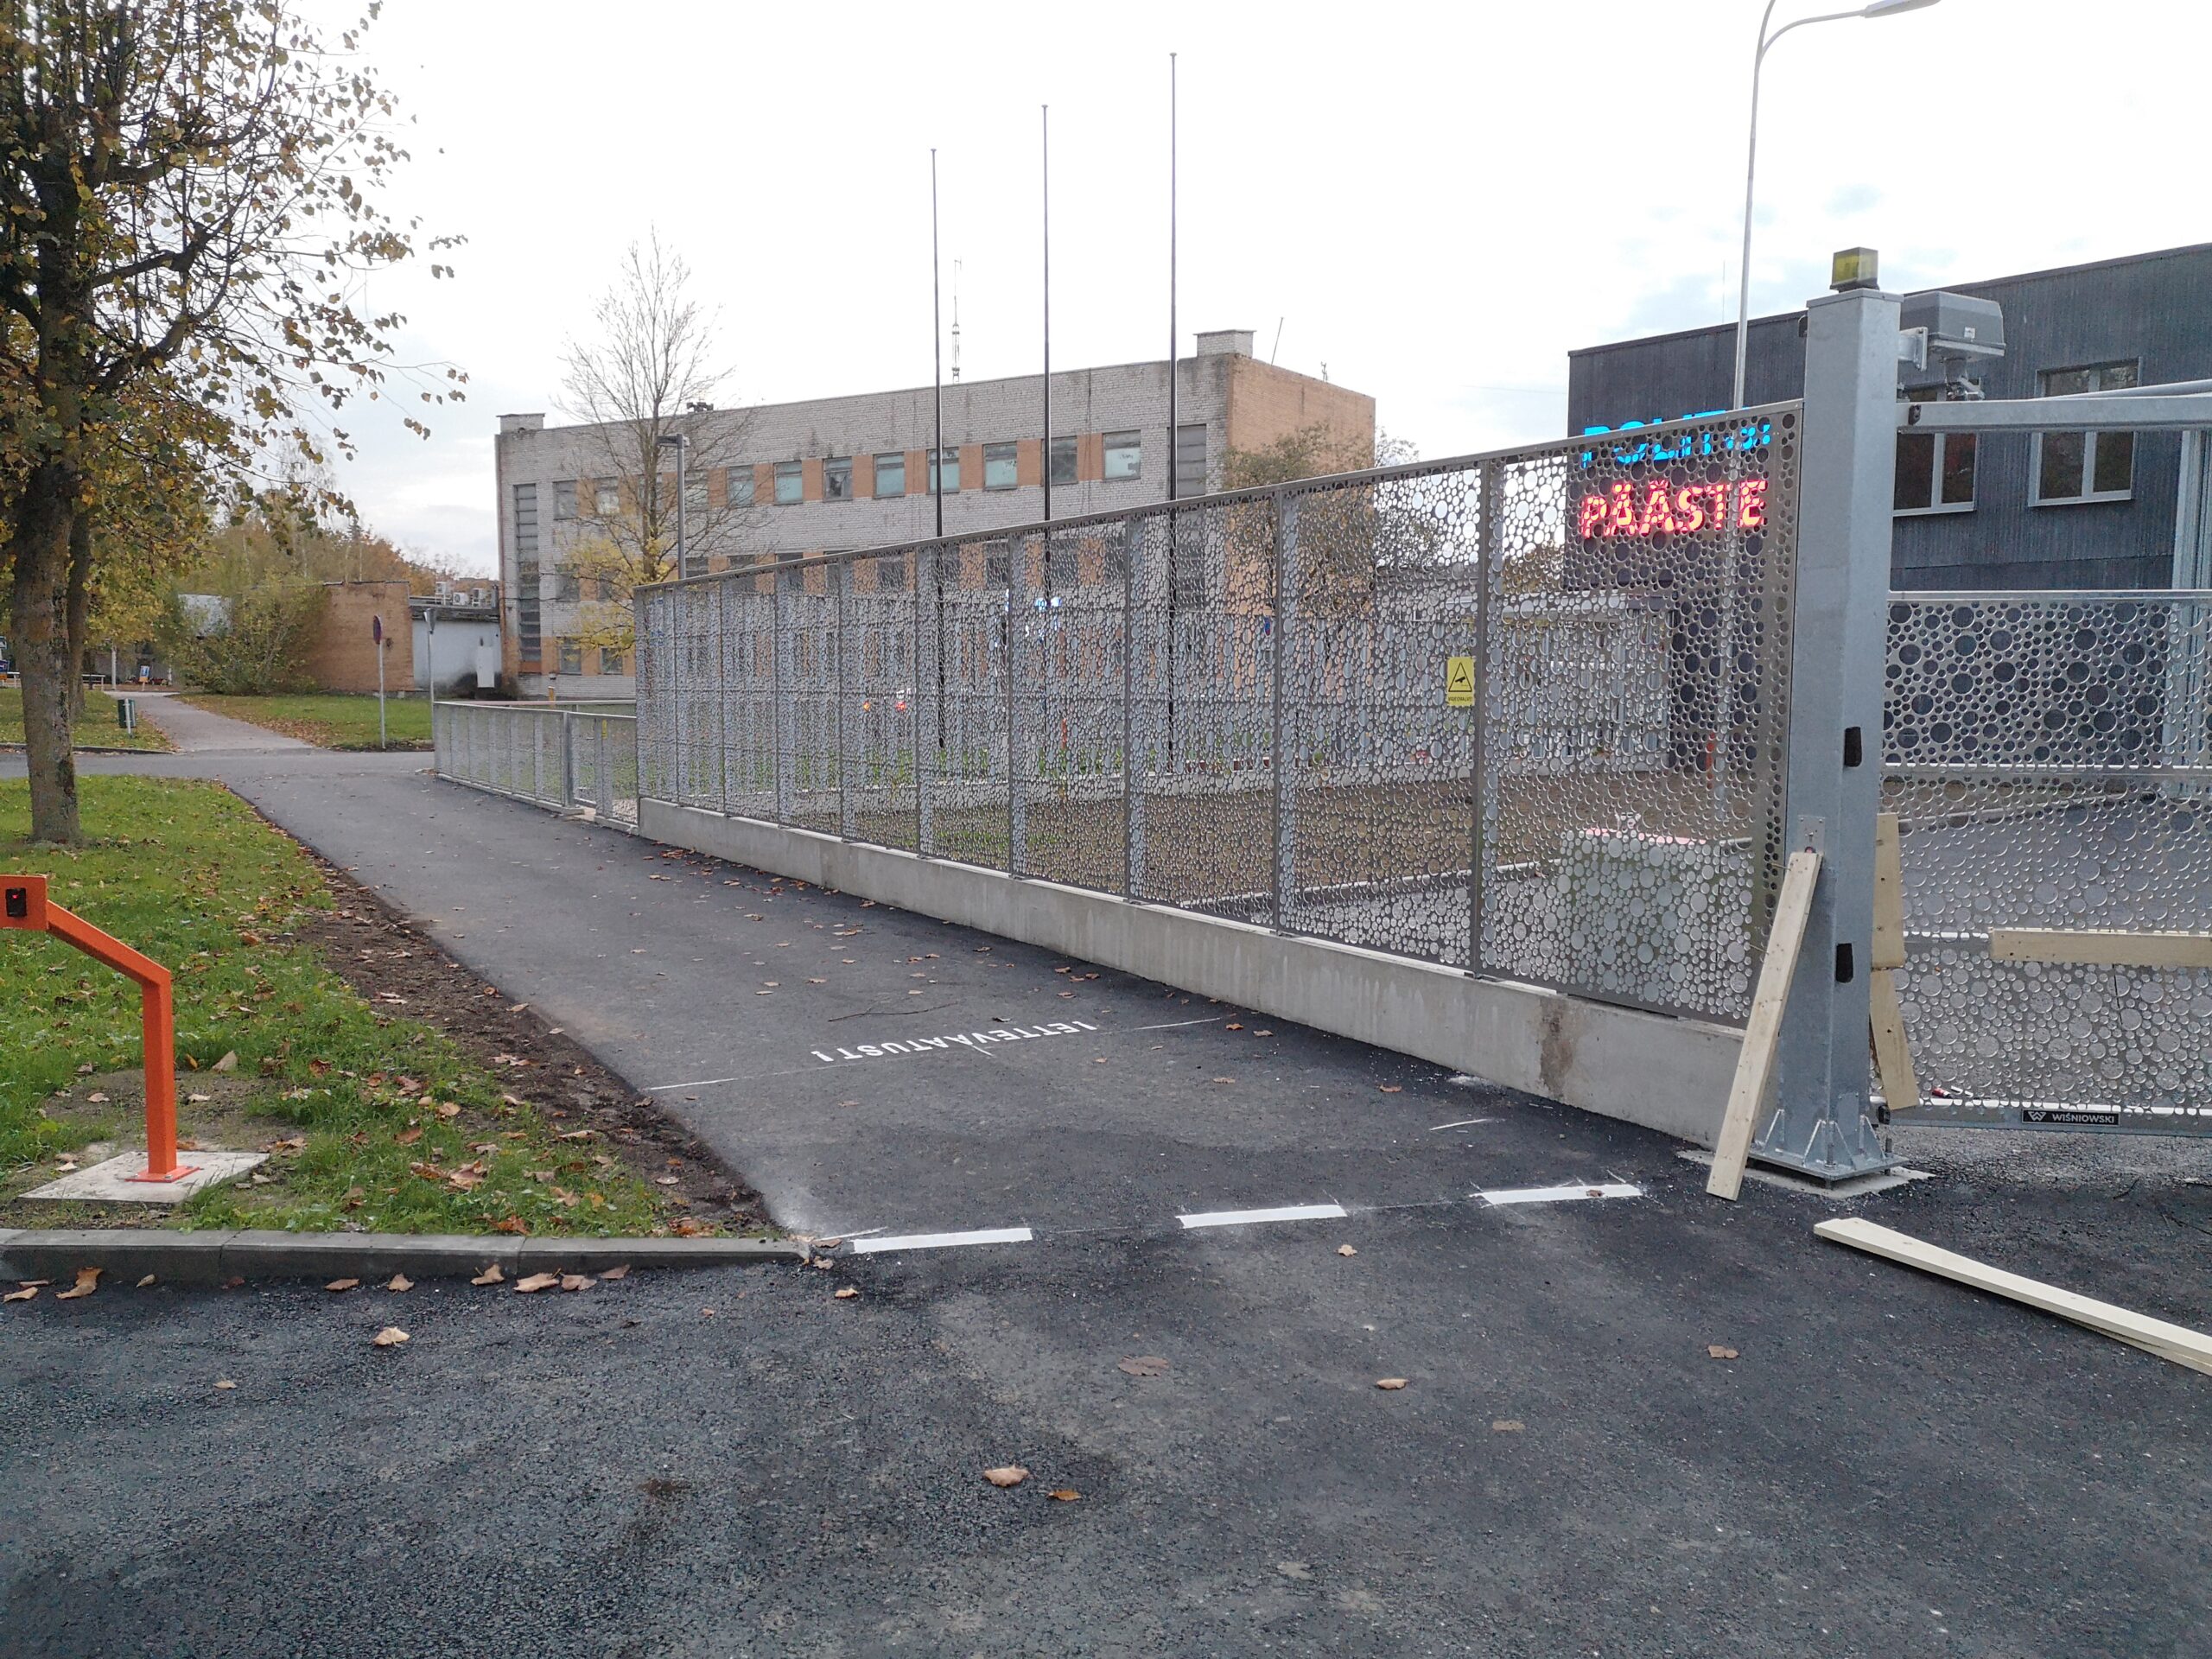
[1459,683]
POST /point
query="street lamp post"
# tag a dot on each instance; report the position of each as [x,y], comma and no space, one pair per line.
[1877,9]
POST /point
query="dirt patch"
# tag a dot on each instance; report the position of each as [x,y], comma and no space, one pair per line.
[393,966]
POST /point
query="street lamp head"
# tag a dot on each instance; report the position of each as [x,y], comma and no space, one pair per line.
[1890,8]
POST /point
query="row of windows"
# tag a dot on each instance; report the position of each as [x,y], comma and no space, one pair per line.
[1123,458]
[572,657]
[1935,470]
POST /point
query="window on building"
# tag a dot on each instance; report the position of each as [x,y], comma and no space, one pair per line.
[607,498]
[791,484]
[998,564]
[1000,470]
[945,463]
[2072,467]
[1063,461]
[1124,454]
[738,486]
[838,479]
[890,475]
[567,590]
[572,657]
[564,498]
[1191,460]
[1935,469]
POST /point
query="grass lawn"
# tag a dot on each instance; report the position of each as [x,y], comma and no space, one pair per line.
[95,730]
[327,719]
[374,1119]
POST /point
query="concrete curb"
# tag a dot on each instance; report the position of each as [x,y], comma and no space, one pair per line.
[213,1258]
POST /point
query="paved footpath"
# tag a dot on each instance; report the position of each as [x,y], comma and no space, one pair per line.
[1890,1464]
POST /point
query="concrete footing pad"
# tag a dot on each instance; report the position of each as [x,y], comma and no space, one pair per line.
[218,1256]
[109,1181]
[1858,1187]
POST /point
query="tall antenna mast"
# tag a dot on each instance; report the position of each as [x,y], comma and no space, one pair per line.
[956,319]
[1174,339]
[1044,167]
[937,349]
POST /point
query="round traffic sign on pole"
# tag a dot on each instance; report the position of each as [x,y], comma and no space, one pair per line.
[376,630]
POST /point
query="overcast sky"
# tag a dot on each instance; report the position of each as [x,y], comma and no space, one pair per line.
[1435,202]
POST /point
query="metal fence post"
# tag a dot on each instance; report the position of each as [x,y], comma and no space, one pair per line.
[568,759]
[838,680]
[1133,765]
[598,770]
[925,823]
[779,679]
[1491,545]
[1286,806]
[722,687]
[1017,806]
[1821,1122]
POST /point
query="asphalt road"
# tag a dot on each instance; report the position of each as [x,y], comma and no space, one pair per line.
[1891,1465]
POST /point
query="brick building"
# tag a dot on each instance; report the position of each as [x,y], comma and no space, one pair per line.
[834,474]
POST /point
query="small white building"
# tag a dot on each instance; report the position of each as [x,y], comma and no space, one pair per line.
[457,641]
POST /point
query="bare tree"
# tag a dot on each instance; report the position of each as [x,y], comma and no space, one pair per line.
[649,375]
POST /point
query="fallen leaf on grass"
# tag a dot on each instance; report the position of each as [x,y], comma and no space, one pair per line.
[1390,1383]
[1507,1426]
[290,1143]
[1144,1365]
[449,1109]
[342,1284]
[88,1281]
[491,1275]
[28,1293]
[1717,1351]
[400,1282]
[1064,1495]
[538,1281]
[511,1224]
[1012,1474]
[390,1337]
[847,1293]
[228,1062]
[409,1137]
[577,1282]
[467,1178]
[1346,1250]
[428,1172]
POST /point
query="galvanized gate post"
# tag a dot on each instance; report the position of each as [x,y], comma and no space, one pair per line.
[1132,730]
[1821,1122]
[1491,542]
[782,715]
[837,680]
[722,687]
[1285,838]
[1017,805]
[924,823]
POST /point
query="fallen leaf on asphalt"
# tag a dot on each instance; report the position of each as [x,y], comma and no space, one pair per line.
[143,1283]
[1507,1426]
[1012,1474]
[236,1282]
[577,1282]
[1064,1495]
[1393,1089]
[847,1293]
[1390,1382]
[491,1275]
[538,1281]
[1346,1250]
[1144,1365]
[613,1274]
[1263,1033]
[88,1281]
[226,1382]
[341,1284]
[1719,1352]
[400,1282]
[1233,1025]
[28,1293]
[390,1337]
[1225,1079]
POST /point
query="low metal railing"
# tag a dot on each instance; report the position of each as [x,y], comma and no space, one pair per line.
[571,759]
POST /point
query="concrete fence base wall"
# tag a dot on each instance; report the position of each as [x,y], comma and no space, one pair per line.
[1666,1074]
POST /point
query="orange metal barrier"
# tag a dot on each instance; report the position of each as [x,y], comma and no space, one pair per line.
[23,903]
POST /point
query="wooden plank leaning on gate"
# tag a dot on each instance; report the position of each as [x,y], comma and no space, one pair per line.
[1755,1065]
[2175,1342]
[1892,1059]
[2101,948]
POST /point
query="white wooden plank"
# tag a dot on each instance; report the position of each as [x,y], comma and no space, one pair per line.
[1888,948]
[1892,1058]
[1755,1066]
[2100,947]
[2169,1341]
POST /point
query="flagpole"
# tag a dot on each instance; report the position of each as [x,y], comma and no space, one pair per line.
[1046,129]
[937,348]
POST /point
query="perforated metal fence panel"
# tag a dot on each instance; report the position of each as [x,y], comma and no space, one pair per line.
[2049,758]
[562,758]
[1521,714]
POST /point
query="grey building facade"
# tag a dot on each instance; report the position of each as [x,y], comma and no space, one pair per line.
[1998,510]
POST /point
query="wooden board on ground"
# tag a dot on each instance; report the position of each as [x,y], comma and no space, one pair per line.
[2100,947]
[1892,1059]
[1888,949]
[2175,1342]
[1755,1065]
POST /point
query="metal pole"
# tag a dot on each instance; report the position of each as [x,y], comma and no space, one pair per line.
[1820,1122]
[381,735]
[1750,169]
[837,680]
[1017,816]
[937,347]
[721,683]
[1492,546]
[1047,169]
[1174,337]
[1285,797]
[682,452]
[1132,776]
[925,827]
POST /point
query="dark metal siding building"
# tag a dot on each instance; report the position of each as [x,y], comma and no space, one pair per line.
[2010,510]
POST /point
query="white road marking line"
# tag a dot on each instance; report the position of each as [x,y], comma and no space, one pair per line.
[1560,1194]
[1178,1025]
[698,1082]
[1246,1217]
[1460,1123]
[940,1240]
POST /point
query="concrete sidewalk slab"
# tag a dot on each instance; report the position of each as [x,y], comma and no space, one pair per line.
[111,1180]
